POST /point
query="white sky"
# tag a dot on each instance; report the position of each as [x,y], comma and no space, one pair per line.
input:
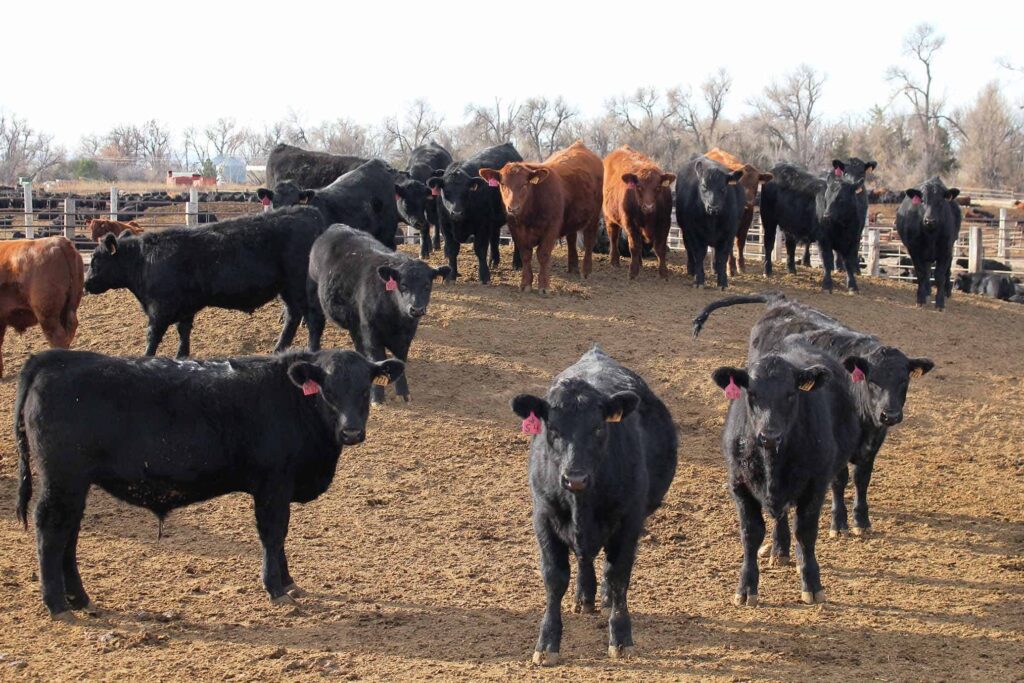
[95,64]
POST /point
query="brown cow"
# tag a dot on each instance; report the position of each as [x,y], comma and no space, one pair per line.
[98,227]
[551,200]
[750,180]
[637,197]
[40,283]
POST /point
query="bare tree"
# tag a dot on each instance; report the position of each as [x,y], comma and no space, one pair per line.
[786,113]
[495,125]
[25,151]
[704,127]
[542,125]
[419,124]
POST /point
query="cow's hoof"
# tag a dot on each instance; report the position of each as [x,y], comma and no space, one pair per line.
[815,598]
[620,651]
[67,617]
[294,591]
[545,658]
[284,599]
[861,531]
[748,600]
[779,561]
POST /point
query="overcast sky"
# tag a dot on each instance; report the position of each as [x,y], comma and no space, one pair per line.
[94,64]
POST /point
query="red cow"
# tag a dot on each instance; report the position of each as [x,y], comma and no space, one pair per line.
[40,283]
[637,198]
[98,227]
[550,200]
[750,180]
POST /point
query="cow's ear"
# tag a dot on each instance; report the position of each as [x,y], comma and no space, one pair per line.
[264,193]
[839,165]
[302,372]
[667,179]
[388,273]
[305,196]
[490,174]
[920,366]
[443,271]
[853,364]
[952,192]
[812,378]
[477,184]
[387,371]
[913,192]
[725,374]
[734,177]
[630,179]
[870,165]
[524,404]
[620,405]
[539,175]
[109,242]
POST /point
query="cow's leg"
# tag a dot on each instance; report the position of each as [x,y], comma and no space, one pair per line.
[425,242]
[554,567]
[272,514]
[58,514]
[586,585]
[807,255]
[480,249]
[3,332]
[807,513]
[185,337]
[589,238]
[614,230]
[840,523]
[526,275]
[791,254]
[155,334]
[722,255]
[828,262]
[400,349]
[751,535]
[73,588]
[621,552]
[574,256]
[292,318]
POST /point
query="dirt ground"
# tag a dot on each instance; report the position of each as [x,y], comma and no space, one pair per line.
[420,560]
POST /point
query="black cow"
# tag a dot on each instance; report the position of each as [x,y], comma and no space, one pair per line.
[307,169]
[425,162]
[790,429]
[995,286]
[879,399]
[928,222]
[602,460]
[378,295]
[238,264]
[709,202]
[811,209]
[411,198]
[363,198]
[272,427]
[471,210]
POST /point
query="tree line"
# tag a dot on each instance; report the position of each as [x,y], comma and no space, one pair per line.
[914,135]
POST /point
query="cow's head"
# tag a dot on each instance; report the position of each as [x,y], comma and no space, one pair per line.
[932,201]
[411,197]
[880,381]
[714,183]
[413,281]
[578,422]
[458,191]
[338,383]
[287,193]
[647,186]
[839,200]
[517,182]
[114,264]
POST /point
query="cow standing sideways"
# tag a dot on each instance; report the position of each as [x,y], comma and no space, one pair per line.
[637,199]
[602,457]
[272,427]
[238,264]
[40,284]
[750,181]
[547,201]
[378,295]
[709,202]
[928,222]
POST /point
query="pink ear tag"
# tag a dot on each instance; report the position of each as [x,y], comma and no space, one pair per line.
[531,425]
[309,387]
[857,375]
[434,192]
[391,285]
[915,201]
[491,182]
[732,392]
[839,173]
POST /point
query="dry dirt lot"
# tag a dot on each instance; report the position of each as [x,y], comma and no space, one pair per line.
[420,560]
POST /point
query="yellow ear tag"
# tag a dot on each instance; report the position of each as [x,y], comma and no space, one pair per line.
[917,372]
[534,180]
[807,386]
[615,417]
[381,380]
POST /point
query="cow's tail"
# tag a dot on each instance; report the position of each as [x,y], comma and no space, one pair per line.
[21,438]
[76,276]
[702,317]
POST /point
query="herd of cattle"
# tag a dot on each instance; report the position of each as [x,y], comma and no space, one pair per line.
[814,399]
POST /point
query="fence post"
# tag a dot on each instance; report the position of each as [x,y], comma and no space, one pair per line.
[975,251]
[30,231]
[113,203]
[192,207]
[69,218]
[874,260]
[1003,244]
